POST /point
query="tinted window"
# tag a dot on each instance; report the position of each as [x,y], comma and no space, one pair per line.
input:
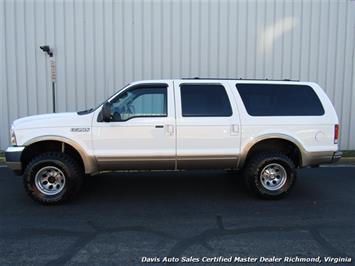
[280,100]
[140,102]
[204,100]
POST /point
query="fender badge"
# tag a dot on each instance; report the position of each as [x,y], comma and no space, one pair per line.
[80,129]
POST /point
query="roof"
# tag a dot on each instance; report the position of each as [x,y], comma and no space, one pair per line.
[266,79]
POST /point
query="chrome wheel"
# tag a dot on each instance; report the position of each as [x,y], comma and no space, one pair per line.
[273,176]
[50,180]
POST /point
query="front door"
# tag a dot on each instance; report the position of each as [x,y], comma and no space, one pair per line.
[141,133]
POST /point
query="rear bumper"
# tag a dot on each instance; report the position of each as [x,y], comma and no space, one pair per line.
[318,158]
[13,158]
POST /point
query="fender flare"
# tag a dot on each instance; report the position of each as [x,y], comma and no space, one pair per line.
[89,161]
[250,144]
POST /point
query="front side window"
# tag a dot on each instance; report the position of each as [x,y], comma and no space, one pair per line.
[146,101]
[198,100]
[280,100]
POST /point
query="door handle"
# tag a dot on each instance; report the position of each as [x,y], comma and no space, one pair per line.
[170,129]
[159,126]
[234,129]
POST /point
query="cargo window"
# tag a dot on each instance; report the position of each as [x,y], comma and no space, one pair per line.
[280,100]
[204,100]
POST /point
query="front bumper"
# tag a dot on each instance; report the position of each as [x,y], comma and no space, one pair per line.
[13,158]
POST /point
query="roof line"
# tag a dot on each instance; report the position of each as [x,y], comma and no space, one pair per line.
[266,79]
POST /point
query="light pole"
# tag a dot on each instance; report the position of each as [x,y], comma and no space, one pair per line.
[49,51]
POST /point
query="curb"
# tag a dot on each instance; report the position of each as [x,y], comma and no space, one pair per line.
[336,165]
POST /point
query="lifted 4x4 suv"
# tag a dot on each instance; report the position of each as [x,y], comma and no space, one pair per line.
[267,129]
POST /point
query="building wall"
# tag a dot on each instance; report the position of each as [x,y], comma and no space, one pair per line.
[102,45]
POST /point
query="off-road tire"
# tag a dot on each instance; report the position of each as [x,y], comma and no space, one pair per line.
[255,165]
[69,167]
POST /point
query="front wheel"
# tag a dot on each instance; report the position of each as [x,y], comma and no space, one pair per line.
[270,175]
[52,178]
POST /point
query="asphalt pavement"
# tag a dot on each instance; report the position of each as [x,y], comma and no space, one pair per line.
[124,218]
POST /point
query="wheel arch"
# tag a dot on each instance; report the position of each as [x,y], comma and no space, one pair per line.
[273,141]
[88,162]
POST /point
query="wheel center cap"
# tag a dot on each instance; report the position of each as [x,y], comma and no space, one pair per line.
[270,174]
[51,179]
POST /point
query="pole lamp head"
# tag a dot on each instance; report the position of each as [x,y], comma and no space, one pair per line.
[47,49]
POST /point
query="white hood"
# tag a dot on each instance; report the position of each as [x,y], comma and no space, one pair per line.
[53,120]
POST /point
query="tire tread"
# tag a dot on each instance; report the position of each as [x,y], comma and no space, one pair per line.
[75,172]
[252,169]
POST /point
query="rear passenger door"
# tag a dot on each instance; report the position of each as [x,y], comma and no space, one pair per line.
[208,127]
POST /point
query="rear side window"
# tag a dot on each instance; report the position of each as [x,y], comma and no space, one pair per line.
[280,100]
[204,100]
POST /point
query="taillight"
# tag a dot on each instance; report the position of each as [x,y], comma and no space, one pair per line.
[336,134]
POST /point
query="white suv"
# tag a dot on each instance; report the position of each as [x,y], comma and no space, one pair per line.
[265,128]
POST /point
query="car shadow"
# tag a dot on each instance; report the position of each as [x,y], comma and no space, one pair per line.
[163,185]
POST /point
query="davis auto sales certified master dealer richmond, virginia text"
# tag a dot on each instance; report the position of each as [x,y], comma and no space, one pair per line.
[238,259]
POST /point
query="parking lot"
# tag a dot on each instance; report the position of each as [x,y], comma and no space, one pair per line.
[121,217]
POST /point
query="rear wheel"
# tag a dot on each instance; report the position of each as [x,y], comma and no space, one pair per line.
[52,178]
[270,175]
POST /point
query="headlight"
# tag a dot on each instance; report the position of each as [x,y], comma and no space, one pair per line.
[13,136]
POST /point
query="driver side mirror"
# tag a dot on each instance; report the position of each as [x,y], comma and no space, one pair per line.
[106,112]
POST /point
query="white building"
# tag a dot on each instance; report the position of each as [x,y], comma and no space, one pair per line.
[101,45]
